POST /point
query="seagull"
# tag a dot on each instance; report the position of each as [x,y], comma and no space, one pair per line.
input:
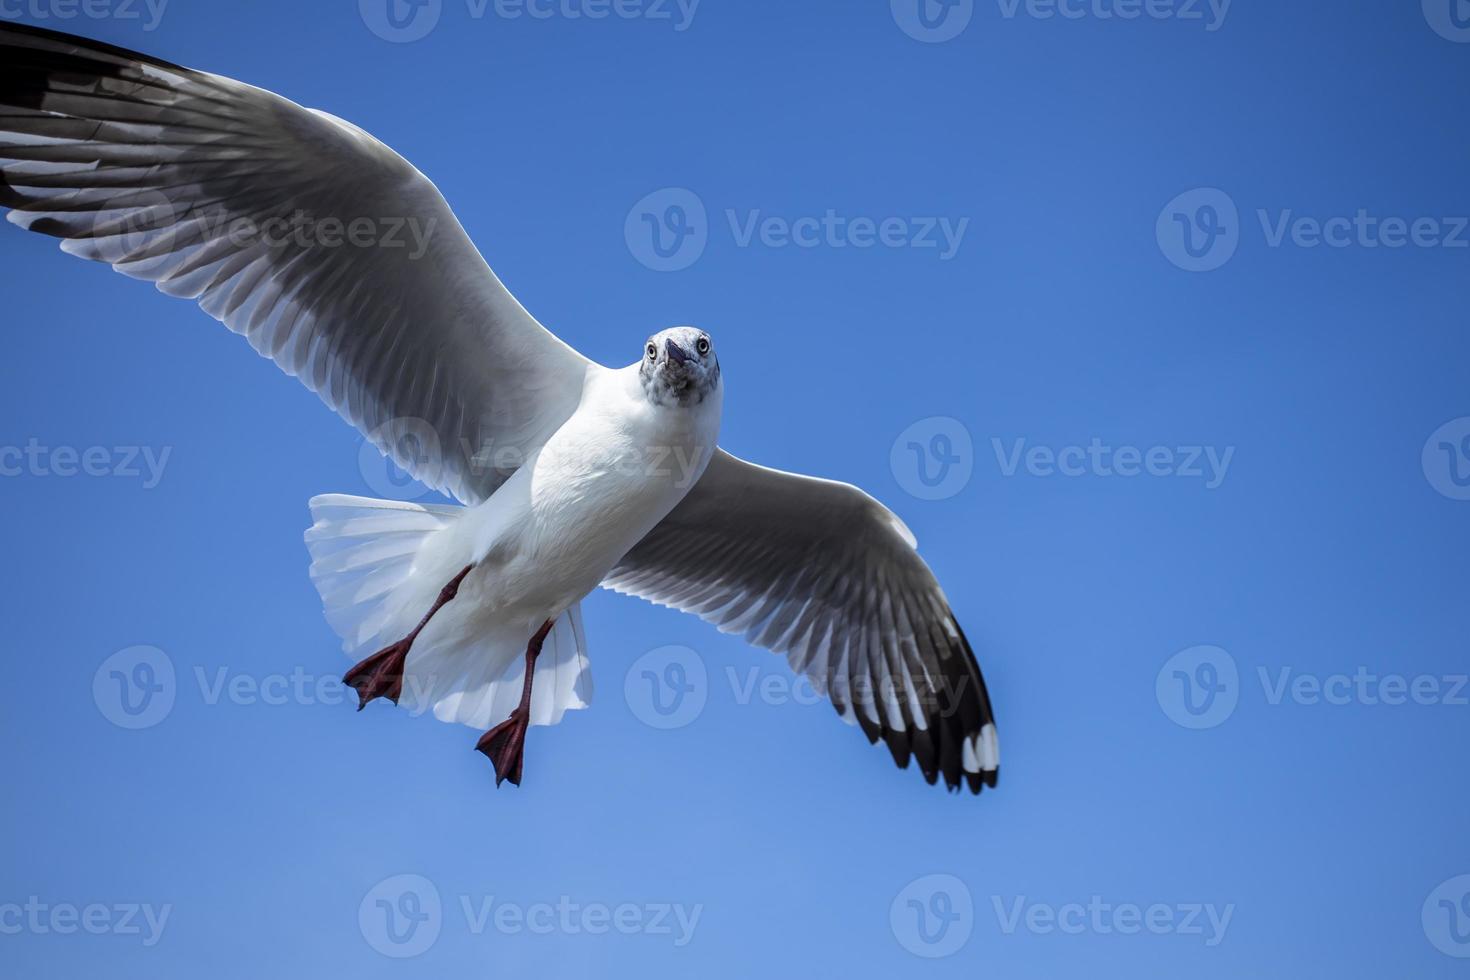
[287,224]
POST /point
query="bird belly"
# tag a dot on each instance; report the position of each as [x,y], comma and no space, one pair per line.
[553,531]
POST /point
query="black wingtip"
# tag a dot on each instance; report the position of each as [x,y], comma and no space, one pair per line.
[15,34]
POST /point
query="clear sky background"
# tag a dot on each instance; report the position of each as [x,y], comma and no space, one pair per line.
[270,827]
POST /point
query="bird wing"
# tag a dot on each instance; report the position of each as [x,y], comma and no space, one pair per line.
[333,255]
[825,574]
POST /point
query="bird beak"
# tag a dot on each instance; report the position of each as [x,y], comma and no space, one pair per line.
[676,353]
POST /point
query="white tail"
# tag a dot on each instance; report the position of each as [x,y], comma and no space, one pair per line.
[376,577]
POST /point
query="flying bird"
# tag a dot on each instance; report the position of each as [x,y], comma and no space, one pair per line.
[570,475]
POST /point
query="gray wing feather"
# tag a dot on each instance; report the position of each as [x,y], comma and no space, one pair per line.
[184,178]
[823,573]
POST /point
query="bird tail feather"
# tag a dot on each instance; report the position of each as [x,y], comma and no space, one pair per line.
[367,559]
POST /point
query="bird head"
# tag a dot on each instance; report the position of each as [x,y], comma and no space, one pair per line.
[679,367]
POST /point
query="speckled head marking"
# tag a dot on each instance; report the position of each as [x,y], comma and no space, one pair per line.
[679,367]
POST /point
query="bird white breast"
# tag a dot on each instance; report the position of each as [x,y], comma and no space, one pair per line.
[615,469]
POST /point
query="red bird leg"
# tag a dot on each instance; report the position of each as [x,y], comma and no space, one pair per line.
[381,675]
[504,745]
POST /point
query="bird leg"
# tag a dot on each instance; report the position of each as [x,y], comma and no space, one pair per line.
[504,745]
[381,675]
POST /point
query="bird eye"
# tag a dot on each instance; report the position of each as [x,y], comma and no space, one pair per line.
[653,352]
[702,345]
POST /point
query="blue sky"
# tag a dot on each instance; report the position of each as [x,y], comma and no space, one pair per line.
[1219,248]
